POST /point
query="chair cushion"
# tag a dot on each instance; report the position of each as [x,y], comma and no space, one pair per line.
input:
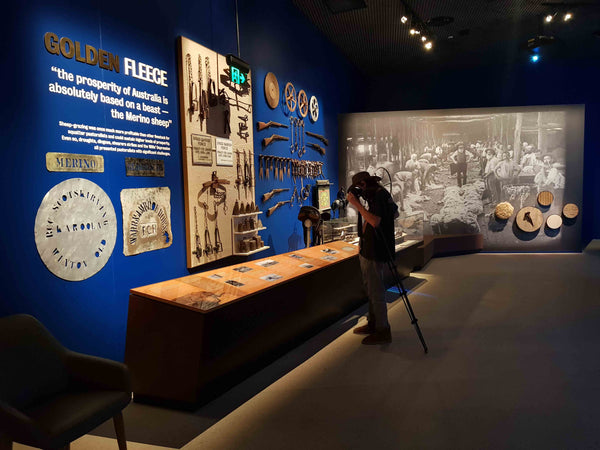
[69,415]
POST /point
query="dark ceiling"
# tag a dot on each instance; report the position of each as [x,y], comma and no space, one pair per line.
[481,32]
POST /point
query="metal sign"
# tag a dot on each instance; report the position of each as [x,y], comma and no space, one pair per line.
[146,219]
[142,167]
[202,148]
[224,152]
[75,229]
[71,162]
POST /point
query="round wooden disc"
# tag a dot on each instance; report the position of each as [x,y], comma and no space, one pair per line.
[554,222]
[302,103]
[529,219]
[271,90]
[545,198]
[570,211]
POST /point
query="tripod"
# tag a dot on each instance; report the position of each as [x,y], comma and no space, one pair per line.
[392,266]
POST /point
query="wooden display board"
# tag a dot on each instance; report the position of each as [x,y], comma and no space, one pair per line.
[218,154]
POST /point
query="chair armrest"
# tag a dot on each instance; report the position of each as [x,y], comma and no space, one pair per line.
[100,373]
[17,426]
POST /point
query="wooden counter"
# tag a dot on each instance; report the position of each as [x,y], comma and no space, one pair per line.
[192,338]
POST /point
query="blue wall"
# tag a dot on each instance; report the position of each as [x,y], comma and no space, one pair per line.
[560,79]
[91,315]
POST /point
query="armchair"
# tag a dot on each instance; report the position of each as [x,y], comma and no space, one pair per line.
[49,395]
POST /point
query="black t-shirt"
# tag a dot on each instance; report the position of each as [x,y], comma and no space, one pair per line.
[373,242]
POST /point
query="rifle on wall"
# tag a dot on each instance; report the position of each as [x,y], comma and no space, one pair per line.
[264,125]
[268,195]
[272,209]
[275,137]
[317,147]
[318,136]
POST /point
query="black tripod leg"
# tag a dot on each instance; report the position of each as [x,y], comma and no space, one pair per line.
[409,309]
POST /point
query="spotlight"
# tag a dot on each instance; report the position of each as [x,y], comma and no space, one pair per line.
[404,19]
[534,58]
[549,18]
[568,16]
[428,45]
[413,31]
[423,38]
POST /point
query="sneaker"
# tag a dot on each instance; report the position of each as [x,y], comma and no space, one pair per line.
[379,337]
[365,329]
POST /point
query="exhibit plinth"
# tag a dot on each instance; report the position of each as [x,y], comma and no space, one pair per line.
[192,338]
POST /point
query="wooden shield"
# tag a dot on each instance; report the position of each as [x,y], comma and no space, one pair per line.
[271,90]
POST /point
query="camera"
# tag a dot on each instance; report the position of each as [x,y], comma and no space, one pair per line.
[356,191]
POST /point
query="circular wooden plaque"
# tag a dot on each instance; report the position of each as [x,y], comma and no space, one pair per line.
[529,219]
[545,198]
[570,211]
[554,222]
[271,90]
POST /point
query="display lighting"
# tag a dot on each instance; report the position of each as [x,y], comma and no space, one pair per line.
[404,19]
[423,38]
[428,45]
[534,58]
[568,16]
[549,18]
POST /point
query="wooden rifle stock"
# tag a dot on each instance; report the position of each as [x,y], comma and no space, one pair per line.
[278,205]
[264,125]
[318,136]
[317,147]
[270,194]
[275,137]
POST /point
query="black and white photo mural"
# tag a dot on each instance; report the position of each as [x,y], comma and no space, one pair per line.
[449,170]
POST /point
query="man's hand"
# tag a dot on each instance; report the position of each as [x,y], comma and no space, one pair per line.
[353,200]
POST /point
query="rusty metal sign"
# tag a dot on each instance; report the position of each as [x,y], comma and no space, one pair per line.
[71,162]
[146,219]
[75,229]
[143,167]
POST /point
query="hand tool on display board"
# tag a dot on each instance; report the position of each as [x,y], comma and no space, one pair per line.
[272,209]
[217,189]
[251,166]
[198,250]
[242,128]
[192,87]
[318,136]
[275,137]
[246,174]
[213,98]
[314,109]
[218,248]
[203,96]
[271,90]
[302,104]
[264,125]
[268,195]
[208,248]
[260,166]
[226,126]
[317,147]
[238,169]
[290,97]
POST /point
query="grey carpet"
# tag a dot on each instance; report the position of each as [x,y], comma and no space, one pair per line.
[513,363]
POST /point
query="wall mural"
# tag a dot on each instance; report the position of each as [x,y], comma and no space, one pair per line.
[448,170]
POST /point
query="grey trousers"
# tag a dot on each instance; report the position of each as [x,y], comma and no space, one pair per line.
[372,274]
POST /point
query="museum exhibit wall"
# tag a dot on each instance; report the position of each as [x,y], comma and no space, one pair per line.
[512,81]
[85,305]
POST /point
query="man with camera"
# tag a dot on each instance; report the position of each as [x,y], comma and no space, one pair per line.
[377,247]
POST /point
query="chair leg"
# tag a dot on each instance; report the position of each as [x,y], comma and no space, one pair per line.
[5,443]
[120,430]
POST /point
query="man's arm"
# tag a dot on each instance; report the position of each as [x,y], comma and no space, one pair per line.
[369,217]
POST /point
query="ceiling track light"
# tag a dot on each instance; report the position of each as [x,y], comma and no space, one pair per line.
[428,45]
[404,19]
[568,16]
[549,18]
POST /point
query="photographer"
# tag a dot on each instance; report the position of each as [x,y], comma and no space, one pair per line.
[377,247]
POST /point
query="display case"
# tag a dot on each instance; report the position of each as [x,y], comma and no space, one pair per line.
[245,238]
